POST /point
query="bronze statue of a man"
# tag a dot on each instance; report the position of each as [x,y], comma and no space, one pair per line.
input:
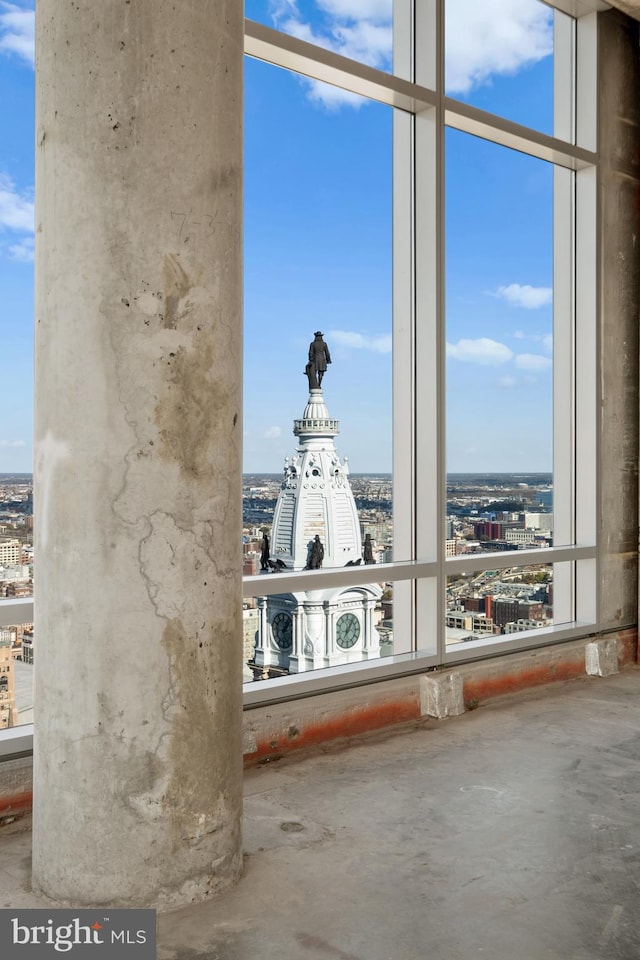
[264,553]
[315,554]
[319,358]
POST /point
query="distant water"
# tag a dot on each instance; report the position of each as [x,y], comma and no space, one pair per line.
[481,479]
[473,479]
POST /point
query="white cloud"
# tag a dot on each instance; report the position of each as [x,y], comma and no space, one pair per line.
[494,37]
[533,361]
[17,31]
[357,341]
[365,42]
[23,251]
[17,215]
[358,9]
[507,381]
[273,433]
[281,8]
[547,342]
[483,39]
[525,296]
[358,29]
[519,335]
[13,443]
[332,97]
[483,351]
[16,212]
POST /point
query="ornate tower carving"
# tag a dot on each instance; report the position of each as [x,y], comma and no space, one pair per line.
[315,508]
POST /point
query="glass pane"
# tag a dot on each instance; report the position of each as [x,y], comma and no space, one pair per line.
[293,633]
[16,666]
[317,258]
[499,289]
[492,512]
[16,358]
[317,396]
[491,604]
[360,31]
[500,58]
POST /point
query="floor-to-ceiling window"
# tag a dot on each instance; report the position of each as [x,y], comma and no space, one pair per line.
[421,188]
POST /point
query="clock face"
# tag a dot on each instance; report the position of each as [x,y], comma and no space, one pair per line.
[347,630]
[282,630]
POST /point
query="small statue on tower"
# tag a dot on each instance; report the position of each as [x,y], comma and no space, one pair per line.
[264,553]
[368,549]
[315,555]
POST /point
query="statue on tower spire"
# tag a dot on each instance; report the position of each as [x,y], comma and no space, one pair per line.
[319,358]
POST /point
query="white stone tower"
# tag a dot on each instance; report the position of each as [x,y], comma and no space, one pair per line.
[316,628]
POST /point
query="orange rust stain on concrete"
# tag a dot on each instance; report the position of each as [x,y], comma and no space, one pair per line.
[17,803]
[483,688]
[345,725]
[628,651]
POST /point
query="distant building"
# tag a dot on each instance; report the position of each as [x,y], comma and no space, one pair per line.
[530,610]
[250,564]
[473,604]
[27,646]
[11,573]
[505,610]
[539,521]
[381,531]
[8,710]
[475,623]
[19,589]
[519,626]
[250,624]
[10,553]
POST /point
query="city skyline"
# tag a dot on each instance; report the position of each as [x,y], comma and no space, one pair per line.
[318,240]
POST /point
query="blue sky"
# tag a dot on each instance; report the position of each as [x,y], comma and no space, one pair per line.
[318,239]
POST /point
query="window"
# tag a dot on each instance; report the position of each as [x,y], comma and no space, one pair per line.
[493,324]
[385,152]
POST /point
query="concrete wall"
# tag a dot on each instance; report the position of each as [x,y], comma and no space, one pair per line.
[619,137]
[271,732]
[632,7]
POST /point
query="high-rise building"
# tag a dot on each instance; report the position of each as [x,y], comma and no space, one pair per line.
[316,524]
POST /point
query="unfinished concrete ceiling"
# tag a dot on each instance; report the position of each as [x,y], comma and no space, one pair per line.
[632,7]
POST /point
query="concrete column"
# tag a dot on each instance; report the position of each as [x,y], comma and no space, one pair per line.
[619,138]
[368,625]
[329,629]
[137,768]
[297,646]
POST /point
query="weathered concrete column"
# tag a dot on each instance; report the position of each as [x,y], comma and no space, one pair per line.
[137,771]
[619,138]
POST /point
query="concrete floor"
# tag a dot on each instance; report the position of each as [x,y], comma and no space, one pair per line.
[511,833]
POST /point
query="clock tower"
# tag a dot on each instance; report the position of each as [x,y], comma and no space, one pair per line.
[316,524]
